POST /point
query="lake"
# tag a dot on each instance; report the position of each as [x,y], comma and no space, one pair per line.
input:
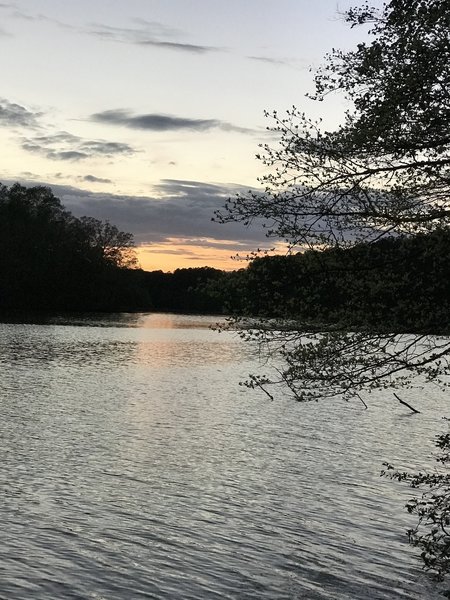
[133,465]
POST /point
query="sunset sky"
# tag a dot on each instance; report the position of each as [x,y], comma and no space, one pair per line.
[148,113]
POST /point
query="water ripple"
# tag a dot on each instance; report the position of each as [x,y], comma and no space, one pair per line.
[133,466]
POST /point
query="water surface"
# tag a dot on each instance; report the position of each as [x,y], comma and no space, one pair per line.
[133,465]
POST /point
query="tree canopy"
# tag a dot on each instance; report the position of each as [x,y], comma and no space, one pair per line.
[384,173]
[386,169]
[51,260]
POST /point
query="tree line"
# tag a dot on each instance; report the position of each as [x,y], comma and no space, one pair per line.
[399,284]
[51,260]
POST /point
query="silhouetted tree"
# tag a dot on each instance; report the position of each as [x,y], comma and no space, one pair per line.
[384,171]
[51,260]
[114,246]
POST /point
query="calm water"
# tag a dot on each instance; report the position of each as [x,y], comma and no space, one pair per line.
[132,465]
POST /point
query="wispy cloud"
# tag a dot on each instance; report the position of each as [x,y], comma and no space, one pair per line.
[94,179]
[16,13]
[141,32]
[68,147]
[28,176]
[292,63]
[148,33]
[15,115]
[161,122]
[182,47]
[270,60]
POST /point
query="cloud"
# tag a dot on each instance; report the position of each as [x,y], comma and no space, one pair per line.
[15,115]
[178,209]
[268,59]
[68,147]
[16,13]
[100,147]
[153,121]
[65,155]
[143,33]
[293,63]
[34,177]
[60,146]
[93,179]
[161,122]
[231,246]
[29,176]
[191,251]
[179,46]
[148,33]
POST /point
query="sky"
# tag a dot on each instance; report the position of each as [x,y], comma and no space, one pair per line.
[149,113]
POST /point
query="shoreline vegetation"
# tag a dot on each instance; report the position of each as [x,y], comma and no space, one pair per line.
[53,262]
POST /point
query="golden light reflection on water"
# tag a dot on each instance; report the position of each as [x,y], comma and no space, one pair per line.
[177,353]
[177,321]
[166,340]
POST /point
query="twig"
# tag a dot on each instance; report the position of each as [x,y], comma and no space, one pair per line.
[258,384]
[365,405]
[406,404]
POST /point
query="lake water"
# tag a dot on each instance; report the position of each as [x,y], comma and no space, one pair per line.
[132,465]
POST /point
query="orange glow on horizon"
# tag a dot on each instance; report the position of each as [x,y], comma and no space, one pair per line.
[181,255]
[178,253]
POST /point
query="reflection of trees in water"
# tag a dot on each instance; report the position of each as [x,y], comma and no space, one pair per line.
[85,319]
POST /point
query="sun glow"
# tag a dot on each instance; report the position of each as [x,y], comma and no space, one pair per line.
[180,254]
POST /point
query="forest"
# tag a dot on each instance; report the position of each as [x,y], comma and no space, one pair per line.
[53,261]
[397,284]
